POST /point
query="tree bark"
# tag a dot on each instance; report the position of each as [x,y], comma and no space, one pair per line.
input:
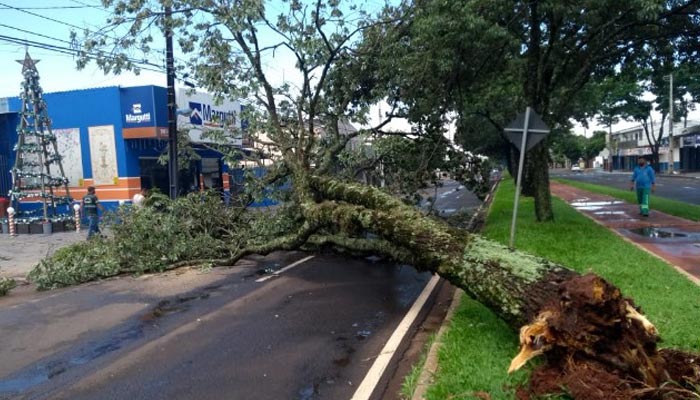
[579,323]
[536,181]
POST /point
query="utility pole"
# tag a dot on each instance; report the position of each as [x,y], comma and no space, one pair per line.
[670,125]
[172,121]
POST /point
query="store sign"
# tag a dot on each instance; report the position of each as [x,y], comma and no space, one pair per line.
[206,115]
[137,104]
[691,141]
[207,118]
[137,116]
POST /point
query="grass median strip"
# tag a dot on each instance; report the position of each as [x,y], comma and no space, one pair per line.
[668,206]
[478,346]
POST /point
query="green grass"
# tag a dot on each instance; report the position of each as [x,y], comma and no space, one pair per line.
[478,346]
[668,206]
[411,382]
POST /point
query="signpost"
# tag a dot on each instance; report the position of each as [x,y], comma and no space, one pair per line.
[524,132]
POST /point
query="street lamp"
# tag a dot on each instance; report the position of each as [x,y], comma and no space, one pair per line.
[669,78]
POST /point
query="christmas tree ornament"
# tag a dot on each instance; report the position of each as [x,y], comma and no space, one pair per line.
[38,171]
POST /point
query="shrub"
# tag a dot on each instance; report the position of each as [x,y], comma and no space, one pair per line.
[149,239]
[6,284]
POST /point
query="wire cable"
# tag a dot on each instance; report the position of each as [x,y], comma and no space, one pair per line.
[44,7]
[142,64]
[35,33]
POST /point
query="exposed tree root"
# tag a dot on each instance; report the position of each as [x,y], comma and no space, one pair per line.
[599,346]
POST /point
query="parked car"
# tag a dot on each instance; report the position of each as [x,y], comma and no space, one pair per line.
[494,175]
[576,168]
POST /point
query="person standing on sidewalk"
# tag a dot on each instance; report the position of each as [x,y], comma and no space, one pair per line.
[89,206]
[644,181]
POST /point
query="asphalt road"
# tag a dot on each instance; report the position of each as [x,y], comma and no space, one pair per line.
[676,188]
[312,332]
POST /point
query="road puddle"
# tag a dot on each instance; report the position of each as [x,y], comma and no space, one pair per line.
[609,213]
[362,335]
[342,361]
[664,233]
[42,372]
[580,203]
[309,392]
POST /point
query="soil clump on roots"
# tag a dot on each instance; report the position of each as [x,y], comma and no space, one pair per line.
[599,346]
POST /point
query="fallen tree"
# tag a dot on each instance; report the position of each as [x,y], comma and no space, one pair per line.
[596,342]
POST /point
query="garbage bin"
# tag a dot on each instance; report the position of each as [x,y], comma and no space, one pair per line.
[4,204]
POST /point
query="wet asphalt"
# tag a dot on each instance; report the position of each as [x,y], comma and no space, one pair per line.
[310,333]
[676,188]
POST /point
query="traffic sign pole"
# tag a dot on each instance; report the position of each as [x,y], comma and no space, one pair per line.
[523,149]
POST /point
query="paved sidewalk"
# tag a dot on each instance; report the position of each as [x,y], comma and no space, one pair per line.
[673,239]
[20,253]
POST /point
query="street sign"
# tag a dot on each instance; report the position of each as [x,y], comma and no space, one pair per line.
[536,130]
[525,131]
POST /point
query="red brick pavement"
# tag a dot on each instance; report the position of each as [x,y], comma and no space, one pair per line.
[673,239]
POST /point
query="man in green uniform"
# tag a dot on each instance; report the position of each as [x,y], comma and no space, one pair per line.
[89,206]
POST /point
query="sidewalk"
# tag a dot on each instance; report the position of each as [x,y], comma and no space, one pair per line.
[20,253]
[675,240]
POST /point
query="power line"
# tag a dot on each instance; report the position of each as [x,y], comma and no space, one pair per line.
[44,8]
[7,6]
[36,33]
[90,5]
[142,64]
[23,9]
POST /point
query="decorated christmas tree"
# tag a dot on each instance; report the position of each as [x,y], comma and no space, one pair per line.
[38,171]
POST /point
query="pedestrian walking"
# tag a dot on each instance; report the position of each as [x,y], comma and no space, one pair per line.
[89,206]
[644,181]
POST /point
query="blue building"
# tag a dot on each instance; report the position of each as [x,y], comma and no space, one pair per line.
[112,137]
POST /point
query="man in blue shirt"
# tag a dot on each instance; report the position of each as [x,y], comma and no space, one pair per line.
[644,180]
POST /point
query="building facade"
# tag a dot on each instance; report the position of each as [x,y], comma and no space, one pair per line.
[627,145]
[112,138]
[690,148]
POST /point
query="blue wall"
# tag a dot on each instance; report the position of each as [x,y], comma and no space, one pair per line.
[97,107]
[8,138]
[80,109]
[153,100]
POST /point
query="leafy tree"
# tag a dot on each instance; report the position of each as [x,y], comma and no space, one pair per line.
[593,145]
[491,58]
[231,40]
[568,146]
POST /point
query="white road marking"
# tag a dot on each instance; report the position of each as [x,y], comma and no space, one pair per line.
[688,187]
[288,267]
[364,391]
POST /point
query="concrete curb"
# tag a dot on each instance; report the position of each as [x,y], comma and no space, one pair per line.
[677,176]
[425,380]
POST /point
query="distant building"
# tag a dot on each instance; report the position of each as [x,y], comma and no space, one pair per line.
[690,148]
[112,137]
[627,145]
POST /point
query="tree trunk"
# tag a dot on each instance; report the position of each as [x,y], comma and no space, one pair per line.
[579,323]
[536,181]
